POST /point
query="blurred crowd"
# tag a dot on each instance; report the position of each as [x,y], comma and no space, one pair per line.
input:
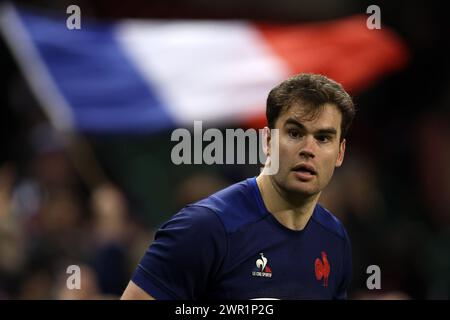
[48,223]
[50,220]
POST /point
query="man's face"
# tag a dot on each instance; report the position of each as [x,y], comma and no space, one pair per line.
[309,149]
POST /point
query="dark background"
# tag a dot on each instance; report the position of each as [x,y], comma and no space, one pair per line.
[393,192]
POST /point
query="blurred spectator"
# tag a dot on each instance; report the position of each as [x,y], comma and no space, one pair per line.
[89,289]
[197,187]
[12,237]
[111,233]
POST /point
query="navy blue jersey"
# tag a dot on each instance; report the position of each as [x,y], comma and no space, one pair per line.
[228,246]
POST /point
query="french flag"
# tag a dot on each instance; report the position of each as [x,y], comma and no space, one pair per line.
[147,76]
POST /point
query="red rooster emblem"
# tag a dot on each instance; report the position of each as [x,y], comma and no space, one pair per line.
[322,268]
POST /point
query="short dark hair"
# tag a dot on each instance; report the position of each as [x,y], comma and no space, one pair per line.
[311,91]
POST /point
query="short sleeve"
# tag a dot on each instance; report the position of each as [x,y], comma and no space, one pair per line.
[346,270]
[185,256]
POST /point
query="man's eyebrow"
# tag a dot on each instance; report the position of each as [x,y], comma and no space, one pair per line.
[294,122]
[326,131]
[329,131]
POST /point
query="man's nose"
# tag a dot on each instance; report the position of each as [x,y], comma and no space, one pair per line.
[307,147]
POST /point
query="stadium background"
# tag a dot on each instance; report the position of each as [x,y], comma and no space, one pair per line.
[98,201]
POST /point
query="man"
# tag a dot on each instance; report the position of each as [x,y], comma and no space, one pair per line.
[265,237]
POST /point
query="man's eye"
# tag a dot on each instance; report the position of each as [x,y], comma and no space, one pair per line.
[293,133]
[323,138]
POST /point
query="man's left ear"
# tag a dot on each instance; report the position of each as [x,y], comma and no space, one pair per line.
[341,153]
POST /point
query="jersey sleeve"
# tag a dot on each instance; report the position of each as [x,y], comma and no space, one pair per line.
[184,257]
[346,270]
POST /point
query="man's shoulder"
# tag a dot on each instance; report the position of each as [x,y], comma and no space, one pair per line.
[235,206]
[329,221]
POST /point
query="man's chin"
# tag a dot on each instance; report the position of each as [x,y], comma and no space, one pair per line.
[302,188]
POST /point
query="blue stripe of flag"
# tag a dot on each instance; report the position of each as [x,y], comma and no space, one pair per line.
[102,86]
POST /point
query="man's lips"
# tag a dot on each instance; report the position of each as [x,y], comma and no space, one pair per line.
[305,168]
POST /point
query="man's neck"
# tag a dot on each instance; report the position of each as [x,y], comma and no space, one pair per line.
[291,211]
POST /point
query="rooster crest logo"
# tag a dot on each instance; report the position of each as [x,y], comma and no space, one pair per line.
[262,269]
[322,268]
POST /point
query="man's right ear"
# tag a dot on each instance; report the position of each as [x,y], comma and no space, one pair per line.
[266,140]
